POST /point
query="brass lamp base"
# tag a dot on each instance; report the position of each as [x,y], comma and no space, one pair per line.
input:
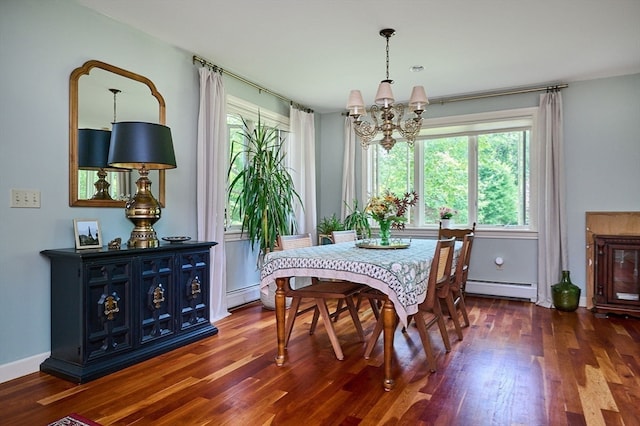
[143,210]
[102,187]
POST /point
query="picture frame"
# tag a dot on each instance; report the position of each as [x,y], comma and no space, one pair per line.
[87,233]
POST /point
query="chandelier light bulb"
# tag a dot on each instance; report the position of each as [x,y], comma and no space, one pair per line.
[418,101]
[384,96]
[355,104]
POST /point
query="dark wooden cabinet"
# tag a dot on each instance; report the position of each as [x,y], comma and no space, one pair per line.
[617,283]
[114,308]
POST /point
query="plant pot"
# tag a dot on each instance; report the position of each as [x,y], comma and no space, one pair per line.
[269,299]
[565,294]
[446,223]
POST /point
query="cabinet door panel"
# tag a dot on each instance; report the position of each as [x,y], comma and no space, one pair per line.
[194,294]
[108,308]
[157,304]
[624,279]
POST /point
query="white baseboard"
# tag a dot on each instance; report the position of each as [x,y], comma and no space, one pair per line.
[22,367]
[242,296]
[518,291]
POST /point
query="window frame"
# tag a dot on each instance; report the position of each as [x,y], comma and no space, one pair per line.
[466,124]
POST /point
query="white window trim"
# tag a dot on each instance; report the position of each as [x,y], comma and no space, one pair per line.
[250,111]
[462,124]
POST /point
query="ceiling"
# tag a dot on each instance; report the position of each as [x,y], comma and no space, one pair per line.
[314,52]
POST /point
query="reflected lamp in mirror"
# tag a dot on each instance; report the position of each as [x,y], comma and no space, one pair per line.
[93,151]
[143,147]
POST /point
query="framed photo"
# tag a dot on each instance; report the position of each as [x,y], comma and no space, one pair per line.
[87,232]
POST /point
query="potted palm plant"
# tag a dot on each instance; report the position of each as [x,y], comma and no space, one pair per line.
[262,191]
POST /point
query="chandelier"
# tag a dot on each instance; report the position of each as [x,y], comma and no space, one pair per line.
[384,110]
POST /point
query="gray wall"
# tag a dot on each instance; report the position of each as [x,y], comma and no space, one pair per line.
[43,41]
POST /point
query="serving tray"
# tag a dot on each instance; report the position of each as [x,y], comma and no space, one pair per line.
[376,245]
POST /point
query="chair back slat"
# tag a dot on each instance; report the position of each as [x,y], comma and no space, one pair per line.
[343,236]
[287,242]
[440,272]
[457,233]
[462,267]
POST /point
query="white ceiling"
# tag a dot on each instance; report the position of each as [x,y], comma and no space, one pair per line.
[314,52]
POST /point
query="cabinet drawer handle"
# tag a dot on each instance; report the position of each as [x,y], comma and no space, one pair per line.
[195,287]
[111,307]
[158,296]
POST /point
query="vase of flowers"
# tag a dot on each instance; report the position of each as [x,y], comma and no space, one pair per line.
[446,216]
[389,211]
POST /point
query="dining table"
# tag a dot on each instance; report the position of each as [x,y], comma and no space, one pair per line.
[400,271]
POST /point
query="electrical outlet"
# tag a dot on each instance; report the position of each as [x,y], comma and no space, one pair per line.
[25,198]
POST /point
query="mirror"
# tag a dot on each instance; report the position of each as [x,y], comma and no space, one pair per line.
[94,104]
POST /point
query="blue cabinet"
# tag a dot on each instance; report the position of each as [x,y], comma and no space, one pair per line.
[114,308]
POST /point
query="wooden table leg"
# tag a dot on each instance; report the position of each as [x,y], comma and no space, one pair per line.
[280,319]
[389,321]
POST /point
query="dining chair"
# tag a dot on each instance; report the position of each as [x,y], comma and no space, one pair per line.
[319,291]
[459,282]
[458,287]
[351,236]
[429,311]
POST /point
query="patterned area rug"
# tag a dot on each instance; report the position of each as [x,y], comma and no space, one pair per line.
[74,419]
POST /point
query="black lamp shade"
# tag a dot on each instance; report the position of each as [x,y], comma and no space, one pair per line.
[93,148]
[137,144]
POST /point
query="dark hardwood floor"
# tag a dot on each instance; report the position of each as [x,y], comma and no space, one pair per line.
[518,364]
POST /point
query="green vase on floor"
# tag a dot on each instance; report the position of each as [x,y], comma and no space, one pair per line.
[566,295]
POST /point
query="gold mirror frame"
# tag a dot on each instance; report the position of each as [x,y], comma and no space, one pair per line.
[85,69]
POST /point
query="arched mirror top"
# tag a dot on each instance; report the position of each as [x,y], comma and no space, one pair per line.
[94,104]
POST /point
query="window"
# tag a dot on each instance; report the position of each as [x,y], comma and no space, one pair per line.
[479,165]
[237,109]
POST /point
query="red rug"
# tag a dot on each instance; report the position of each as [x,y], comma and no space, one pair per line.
[74,419]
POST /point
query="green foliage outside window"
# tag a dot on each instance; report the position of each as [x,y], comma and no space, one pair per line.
[484,176]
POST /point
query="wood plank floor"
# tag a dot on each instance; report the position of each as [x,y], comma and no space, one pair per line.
[518,364]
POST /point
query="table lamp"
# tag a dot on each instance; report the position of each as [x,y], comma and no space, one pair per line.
[93,150]
[142,146]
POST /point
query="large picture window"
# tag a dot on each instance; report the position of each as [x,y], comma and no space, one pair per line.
[479,165]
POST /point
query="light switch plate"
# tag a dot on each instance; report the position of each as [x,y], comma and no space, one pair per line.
[25,198]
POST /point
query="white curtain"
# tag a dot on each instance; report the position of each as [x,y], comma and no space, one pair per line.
[301,159]
[348,167]
[212,155]
[552,224]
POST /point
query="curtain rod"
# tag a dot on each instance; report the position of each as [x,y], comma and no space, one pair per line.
[213,66]
[483,95]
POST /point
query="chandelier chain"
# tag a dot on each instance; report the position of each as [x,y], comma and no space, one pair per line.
[115,93]
[387,57]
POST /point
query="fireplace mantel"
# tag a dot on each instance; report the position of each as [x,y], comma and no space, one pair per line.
[605,223]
